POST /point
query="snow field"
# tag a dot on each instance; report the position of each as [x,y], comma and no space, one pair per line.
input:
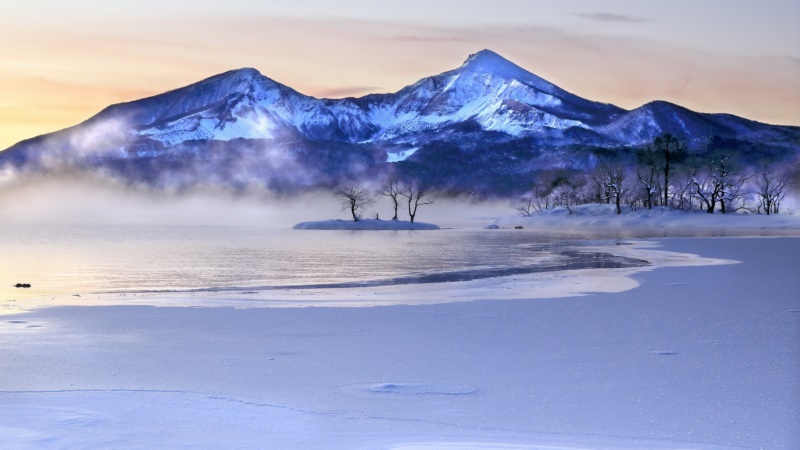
[694,357]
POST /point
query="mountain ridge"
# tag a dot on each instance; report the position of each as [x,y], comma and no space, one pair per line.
[241,118]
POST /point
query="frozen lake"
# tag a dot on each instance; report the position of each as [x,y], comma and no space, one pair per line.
[119,259]
[687,356]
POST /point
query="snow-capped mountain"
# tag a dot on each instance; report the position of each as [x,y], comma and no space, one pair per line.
[243,104]
[489,119]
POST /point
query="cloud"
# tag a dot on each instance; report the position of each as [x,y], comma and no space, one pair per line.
[610,17]
[793,59]
[100,134]
[428,39]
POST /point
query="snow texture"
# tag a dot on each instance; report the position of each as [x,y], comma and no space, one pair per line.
[487,89]
[598,215]
[496,93]
[694,357]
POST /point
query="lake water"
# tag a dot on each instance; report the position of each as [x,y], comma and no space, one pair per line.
[82,260]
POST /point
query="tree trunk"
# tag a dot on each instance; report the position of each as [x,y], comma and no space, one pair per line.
[666,180]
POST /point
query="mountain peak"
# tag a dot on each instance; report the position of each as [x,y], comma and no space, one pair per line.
[244,72]
[484,54]
[489,62]
[244,75]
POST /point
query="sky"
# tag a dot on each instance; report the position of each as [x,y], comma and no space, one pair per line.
[62,62]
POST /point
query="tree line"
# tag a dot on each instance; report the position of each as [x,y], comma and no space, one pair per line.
[664,173]
[410,194]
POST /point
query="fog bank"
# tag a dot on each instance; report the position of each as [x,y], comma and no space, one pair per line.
[83,199]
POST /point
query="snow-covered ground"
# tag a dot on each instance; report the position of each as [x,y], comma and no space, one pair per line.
[604,216]
[365,224]
[675,355]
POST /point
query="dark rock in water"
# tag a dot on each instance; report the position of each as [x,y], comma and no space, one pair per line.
[518,227]
[492,226]
[22,285]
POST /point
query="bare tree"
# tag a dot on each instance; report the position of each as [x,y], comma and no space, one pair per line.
[567,193]
[708,192]
[391,188]
[526,205]
[534,201]
[601,193]
[414,194]
[719,181]
[557,188]
[611,175]
[683,196]
[354,198]
[647,171]
[668,145]
[735,193]
[770,189]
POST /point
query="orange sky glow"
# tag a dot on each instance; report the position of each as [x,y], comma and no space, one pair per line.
[61,64]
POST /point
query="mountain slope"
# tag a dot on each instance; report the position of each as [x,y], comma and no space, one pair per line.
[489,122]
[499,95]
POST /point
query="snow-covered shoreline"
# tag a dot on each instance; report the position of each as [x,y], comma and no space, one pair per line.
[596,216]
[365,224]
[689,356]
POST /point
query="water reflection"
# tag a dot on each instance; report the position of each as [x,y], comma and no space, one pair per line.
[76,260]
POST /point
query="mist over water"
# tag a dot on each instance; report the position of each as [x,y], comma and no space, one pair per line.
[75,201]
[82,233]
[87,199]
[77,235]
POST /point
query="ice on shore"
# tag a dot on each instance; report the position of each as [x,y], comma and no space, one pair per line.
[598,215]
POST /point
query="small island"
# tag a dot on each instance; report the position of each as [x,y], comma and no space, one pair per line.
[354,198]
[365,224]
